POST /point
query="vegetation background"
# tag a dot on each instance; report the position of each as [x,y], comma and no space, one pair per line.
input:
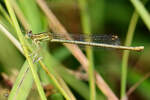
[63,73]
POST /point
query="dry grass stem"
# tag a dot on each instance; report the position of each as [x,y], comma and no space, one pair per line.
[11,38]
[132,89]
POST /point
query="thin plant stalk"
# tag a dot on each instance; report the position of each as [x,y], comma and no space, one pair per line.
[128,42]
[137,84]
[144,15]
[64,89]
[85,21]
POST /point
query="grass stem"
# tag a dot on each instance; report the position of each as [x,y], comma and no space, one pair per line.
[85,21]
[128,42]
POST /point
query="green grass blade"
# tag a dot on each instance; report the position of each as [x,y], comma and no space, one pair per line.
[23,84]
[2,10]
[36,27]
[141,10]
[26,52]
[128,41]
[85,21]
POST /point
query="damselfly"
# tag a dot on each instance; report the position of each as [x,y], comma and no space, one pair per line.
[111,41]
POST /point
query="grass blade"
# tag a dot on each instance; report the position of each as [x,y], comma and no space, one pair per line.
[128,41]
[141,10]
[26,52]
[85,20]
[23,84]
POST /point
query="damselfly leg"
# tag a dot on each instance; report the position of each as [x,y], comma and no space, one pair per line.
[36,43]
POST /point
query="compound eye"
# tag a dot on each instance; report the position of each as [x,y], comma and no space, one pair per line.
[29,34]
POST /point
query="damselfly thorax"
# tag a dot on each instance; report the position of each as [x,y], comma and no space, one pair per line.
[39,37]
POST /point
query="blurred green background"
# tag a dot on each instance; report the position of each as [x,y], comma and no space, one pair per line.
[106,17]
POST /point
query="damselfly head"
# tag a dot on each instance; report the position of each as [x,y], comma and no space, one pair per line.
[114,37]
[29,34]
[115,40]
